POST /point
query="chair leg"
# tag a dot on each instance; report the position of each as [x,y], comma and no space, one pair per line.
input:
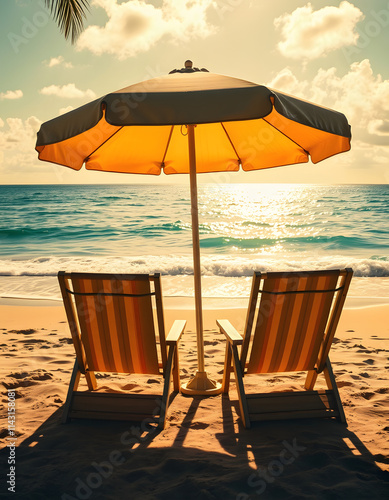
[176,371]
[310,381]
[332,385]
[91,380]
[227,369]
[166,387]
[74,381]
[244,411]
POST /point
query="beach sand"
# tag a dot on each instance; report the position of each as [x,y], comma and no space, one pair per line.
[204,452]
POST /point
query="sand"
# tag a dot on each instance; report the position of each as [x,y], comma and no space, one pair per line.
[204,452]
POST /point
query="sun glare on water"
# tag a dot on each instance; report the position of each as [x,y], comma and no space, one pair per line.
[259,216]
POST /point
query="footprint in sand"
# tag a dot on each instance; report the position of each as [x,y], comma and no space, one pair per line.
[42,375]
[66,340]
[382,390]
[197,425]
[344,383]
[24,379]
[365,395]
[213,351]
[57,398]
[29,331]
[59,362]
[31,341]
[18,375]
[272,380]
[153,381]
[129,387]
[336,340]
[191,357]
[212,342]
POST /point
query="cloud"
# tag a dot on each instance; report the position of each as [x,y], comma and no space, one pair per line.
[287,82]
[360,94]
[11,94]
[58,61]
[17,144]
[19,135]
[309,34]
[62,111]
[135,26]
[69,91]
[379,127]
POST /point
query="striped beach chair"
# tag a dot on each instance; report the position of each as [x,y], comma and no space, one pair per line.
[113,329]
[290,331]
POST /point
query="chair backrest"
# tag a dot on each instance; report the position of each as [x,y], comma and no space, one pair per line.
[111,321]
[294,325]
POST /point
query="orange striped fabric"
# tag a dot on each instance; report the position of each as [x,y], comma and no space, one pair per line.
[117,331]
[290,327]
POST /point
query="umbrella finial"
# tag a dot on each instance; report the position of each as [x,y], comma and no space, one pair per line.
[188,68]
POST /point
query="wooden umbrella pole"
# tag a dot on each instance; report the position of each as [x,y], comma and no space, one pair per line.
[200,383]
[196,248]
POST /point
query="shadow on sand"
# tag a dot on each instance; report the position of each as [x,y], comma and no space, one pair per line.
[275,460]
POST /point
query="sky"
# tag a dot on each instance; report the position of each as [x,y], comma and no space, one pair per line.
[331,53]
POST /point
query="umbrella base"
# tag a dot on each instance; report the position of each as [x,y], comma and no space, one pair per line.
[201,385]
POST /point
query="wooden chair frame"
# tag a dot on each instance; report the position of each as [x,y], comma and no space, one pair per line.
[295,404]
[119,406]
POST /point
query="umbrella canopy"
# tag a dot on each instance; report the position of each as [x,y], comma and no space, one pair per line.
[140,129]
[193,121]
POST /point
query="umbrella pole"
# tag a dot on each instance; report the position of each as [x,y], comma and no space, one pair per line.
[200,384]
[196,249]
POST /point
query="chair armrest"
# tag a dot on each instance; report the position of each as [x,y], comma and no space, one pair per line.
[176,331]
[229,331]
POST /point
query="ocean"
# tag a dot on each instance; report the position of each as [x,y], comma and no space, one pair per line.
[146,228]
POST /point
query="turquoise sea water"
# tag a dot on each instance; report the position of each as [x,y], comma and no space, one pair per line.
[147,228]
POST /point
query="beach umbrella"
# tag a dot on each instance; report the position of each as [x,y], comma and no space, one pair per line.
[188,122]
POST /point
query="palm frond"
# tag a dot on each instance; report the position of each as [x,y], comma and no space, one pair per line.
[69,15]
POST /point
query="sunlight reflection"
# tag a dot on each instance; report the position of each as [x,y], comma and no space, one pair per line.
[258,216]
